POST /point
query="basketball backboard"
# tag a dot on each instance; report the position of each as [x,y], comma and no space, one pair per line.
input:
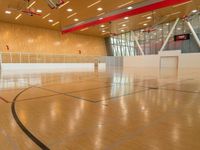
[55,3]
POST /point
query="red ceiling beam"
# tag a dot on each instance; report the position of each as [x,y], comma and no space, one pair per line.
[128,13]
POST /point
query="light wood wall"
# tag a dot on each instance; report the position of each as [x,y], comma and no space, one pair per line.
[22,38]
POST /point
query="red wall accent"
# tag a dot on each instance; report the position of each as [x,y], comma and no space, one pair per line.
[133,12]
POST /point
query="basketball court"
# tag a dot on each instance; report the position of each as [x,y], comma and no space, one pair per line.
[100,75]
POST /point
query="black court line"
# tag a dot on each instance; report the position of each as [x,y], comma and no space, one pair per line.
[29,99]
[4,100]
[67,94]
[112,85]
[183,91]
[90,89]
[95,101]
[20,124]
[111,98]
[162,85]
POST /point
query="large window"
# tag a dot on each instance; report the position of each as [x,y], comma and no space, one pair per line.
[126,45]
[123,45]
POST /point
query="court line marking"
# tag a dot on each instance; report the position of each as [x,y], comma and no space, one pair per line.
[128,94]
[65,94]
[30,99]
[21,125]
[112,85]
[162,85]
[4,100]
[90,89]
[183,91]
[95,101]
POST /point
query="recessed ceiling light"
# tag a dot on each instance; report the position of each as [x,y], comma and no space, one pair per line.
[62,5]
[76,19]
[100,18]
[149,17]
[160,29]
[84,29]
[69,10]
[31,4]
[103,31]
[71,15]
[125,4]
[18,16]
[122,30]
[8,12]
[39,11]
[194,11]
[102,26]
[50,20]
[130,7]
[55,23]
[126,18]
[99,9]
[124,25]
[145,24]
[167,24]
[95,3]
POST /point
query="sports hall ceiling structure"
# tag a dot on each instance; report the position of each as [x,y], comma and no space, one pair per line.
[96,17]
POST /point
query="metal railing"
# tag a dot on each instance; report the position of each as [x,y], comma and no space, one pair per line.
[18,57]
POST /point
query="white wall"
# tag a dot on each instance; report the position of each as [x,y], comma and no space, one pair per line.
[191,60]
[142,61]
[186,60]
[51,67]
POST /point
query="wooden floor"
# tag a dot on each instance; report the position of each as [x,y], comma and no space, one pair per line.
[119,109]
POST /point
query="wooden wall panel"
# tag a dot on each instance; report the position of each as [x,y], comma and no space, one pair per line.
[22,38]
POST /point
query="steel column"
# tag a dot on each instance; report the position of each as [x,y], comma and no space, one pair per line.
[193,32]
[170,33]
[138,44]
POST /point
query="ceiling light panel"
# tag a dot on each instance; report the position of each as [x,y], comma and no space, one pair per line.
[18,16]
[99,9]
[125,4]
[46,16]
[93,4]
[69,9]
[61,6]
[71,15]
[56,23]
[8,12]
[50,20]
[31,4]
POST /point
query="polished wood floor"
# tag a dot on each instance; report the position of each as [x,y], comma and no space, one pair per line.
[117,109]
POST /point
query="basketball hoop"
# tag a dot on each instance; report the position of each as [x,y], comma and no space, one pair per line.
[53,4]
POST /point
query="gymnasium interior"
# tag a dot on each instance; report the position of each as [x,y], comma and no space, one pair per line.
[100,75]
